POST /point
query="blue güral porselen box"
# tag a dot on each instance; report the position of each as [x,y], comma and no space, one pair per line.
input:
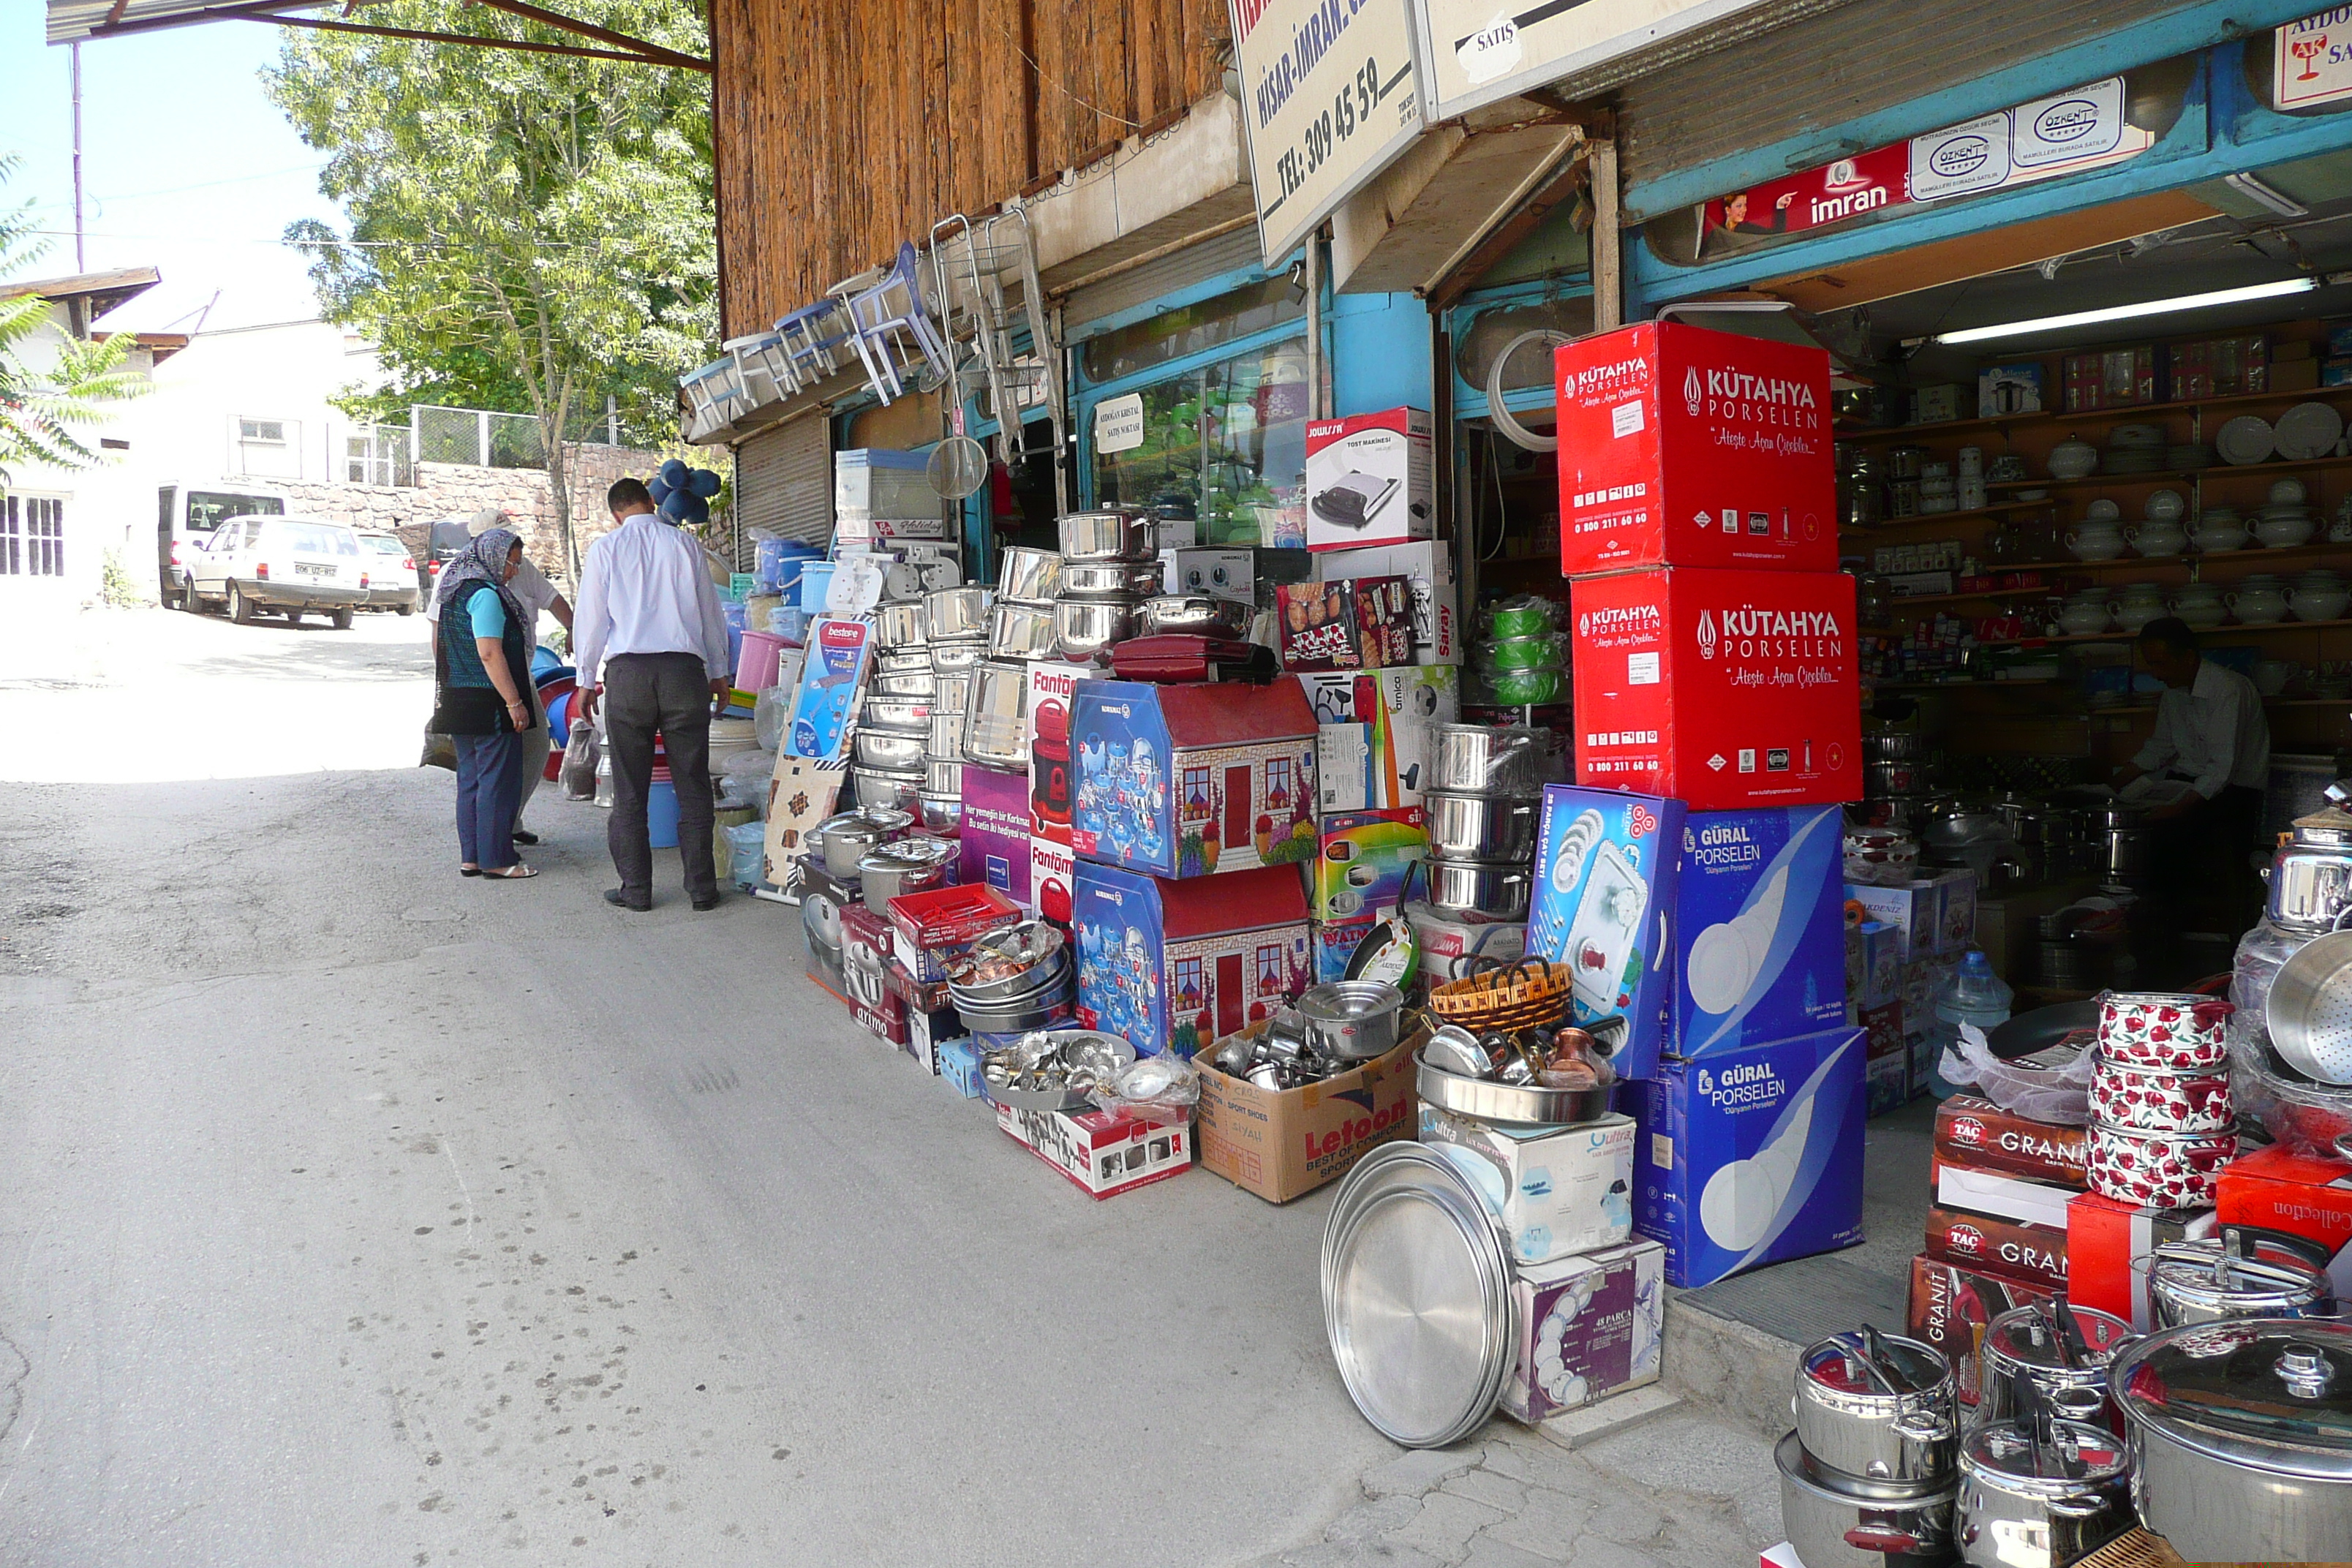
[1604,875]
[1751,1156]
[1758,927]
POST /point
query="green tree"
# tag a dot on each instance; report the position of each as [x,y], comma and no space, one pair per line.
[40,409]
[525,232]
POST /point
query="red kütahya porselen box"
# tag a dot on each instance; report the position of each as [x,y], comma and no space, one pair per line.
[1723,689]
[1682,447]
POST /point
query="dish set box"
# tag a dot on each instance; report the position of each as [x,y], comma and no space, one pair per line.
[1172,965]
[1360,875]
[1682,447]
[1590,1325]
[1282,1143]
[1102,1152]
[1193,780]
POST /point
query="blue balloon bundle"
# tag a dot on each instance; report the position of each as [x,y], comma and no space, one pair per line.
[682,494]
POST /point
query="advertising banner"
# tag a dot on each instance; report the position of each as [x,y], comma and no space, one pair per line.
[1474,52]
[2312,59]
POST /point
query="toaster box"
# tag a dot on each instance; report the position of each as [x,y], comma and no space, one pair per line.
[1427,567]
[1193,780]
[1369,479]
[1682,447]
[1170,966]
[993,839]
[1376,729]
[1950,1304]
[1349,623]
[1604,879]
[1047,704]
[1557,1190]
[1751,1157]
[1590,1326]
[1102,1152]
[1361,862]
[1282,1143]
[1756,927]
[1724,690]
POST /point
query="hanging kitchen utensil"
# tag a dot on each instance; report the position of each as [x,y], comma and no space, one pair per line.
[958,467]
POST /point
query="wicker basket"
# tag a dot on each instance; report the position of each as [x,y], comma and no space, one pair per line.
[1528,994]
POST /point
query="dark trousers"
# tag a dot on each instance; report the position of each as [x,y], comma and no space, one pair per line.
[2201,866]
[645,692]
[490,794]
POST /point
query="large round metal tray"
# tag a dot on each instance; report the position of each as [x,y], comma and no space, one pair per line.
[1532,1105]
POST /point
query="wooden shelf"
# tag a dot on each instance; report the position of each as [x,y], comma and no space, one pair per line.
[2121,564]
[2163,476]
[2233,630]
[2125,414]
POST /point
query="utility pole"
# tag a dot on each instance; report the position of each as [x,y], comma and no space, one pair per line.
[81,262]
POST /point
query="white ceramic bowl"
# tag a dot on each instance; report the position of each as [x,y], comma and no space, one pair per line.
[2288,493]
[2102,511]
[2073,459]
[2170,506]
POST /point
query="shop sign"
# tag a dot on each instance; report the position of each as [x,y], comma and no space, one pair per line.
[2312,59]
[1331,95]
[2037,140]
[1474,52]
[1119,423]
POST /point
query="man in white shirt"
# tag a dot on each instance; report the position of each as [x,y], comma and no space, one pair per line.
[538,596]
[650,638]
[2211,735]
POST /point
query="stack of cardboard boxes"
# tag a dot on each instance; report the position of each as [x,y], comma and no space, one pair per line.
[1691,881]
[1903,944]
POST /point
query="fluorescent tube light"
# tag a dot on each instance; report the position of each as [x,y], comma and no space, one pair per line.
[2269,195]
[2125,312]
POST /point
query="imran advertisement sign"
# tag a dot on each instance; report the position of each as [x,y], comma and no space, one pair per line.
[2062,134]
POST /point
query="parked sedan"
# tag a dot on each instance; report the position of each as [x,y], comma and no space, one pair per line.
[292,565]
[390,586]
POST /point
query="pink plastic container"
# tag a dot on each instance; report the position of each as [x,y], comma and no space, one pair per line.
[755,666]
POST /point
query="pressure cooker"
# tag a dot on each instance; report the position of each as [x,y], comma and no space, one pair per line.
[1878,1407]
[2311,877]
[2241,1273]
[2040,1490]
[2057,1348]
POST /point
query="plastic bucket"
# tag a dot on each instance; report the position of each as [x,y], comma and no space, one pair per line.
[755,667]
[747,849]
[816,582]
[661,814]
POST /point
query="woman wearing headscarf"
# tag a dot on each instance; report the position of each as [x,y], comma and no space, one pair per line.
[482,699]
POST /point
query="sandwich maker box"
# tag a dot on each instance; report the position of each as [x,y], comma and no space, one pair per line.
[1367,480]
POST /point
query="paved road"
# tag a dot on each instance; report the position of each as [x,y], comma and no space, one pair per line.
[357,1213]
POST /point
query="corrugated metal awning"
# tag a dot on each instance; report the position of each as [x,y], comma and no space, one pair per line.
[74,21]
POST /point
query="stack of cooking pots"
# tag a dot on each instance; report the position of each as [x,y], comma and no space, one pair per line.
[1895,767]
[1482,802]
[956,620]
[2063,1351]
[1869,1476]
[836,847]
[1019,631]
[1110,565]
[2310,897]
[1013,980]
[2047,1484]
[887,751]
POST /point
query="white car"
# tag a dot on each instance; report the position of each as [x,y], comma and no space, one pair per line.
[292,565]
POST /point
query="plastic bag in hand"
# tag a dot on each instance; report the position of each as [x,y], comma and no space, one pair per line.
[580,758]
[2062,1095]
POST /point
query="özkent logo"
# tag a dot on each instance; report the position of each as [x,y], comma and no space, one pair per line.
[1706,634]
[1693,393]
[1962,156]
[2065,121]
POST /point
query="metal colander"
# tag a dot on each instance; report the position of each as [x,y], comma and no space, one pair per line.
[2309,1010]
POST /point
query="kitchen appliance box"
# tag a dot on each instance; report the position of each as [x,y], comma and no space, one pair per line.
[1237,576]
[2109,1239]
[1681,447]
[1590,1327]
[2032,1254]
[1752,1156]
[1103,1153]
[2301,1195]
[1706,929]
[1172,965]
[995,834]
[1051,777]
[1369,479]
[1361,861]
[1927,917]
[1427,566]
[1344,623]
[1724,690]
[1282,1143]
[1557,1190]
[866,946]
[1375,730]
[1974,1132]
[1192,780]
[1950,1304]
[1053,876]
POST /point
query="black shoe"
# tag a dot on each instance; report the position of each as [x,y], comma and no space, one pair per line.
[702,901]
[620,899]
[525,836]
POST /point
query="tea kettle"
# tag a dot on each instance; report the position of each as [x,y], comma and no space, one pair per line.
[2311,876]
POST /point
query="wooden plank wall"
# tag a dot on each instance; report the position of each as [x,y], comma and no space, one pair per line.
[843,128]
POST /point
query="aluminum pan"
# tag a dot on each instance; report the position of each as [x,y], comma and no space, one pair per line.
[1531,1105]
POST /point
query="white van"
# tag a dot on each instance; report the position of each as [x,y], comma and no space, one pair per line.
[292,565]
[185,517]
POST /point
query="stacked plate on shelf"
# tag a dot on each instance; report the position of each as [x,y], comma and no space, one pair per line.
[2134,449]
[2245,439]
[2308,430]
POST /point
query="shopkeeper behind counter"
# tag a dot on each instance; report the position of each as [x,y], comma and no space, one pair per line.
[2210,735]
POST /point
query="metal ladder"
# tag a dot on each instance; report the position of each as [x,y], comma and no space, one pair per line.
[975,269]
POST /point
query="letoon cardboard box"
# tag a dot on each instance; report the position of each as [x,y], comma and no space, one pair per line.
[1280,1143]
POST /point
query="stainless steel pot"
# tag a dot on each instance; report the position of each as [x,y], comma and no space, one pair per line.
[1100,579]
[895,788]
[995,719]
[958,655]
[1893,746]
[943,775]
[2311,886]
[1018,630]
[1196,614]
[1483,759]
[903,683]
[1897,776]
[848,837]
[2058,1348]
[949,692]
[2126,860]
[909,661]
[940,813]
[1493,829]
[904,866]
[1879,1407]
[946,742]
[1030,577]
[904,715]
[2231,1276]
[887,749]
[1352,1020]
[1085,627]
[957,611]
[900,625]
[2240,1438]
[1459,889]
[1834,1526]
[1109,535]
[2034,1494]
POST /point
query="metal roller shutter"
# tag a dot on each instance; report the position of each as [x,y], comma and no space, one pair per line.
[1153,279]
[783,481]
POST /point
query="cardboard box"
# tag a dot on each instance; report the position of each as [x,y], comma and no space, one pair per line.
[1724,690]
[1950,1305]
[1237,576]
[2004,389]
[1427,566]
[1354,623]
[1193,780]
[928,928]
[1682,447]
[1604,875]
[1756,927]
[1876,964]
[1051,778]
[1997,1194]
[1172,966]
[1557,1190]
[1334,945]
[1053,876]
[1936,405]
[2105,1235]
[2034,1253]
[1376,728]
[1589,1327]
[1927,917]
[1448,945]
[1753,1156]
[866,946]
[959,1064]
[1887,1083]
[995,834]
[926,1031]
[1882,1030]
[2295,1194]
[1976,1133]
[1362,860]
[1101,1153]
[1280,1143]
[1369,479]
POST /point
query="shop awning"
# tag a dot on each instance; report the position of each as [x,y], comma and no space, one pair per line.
[73,21]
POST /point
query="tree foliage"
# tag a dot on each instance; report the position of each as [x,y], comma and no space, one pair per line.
[525,232]
[41,410]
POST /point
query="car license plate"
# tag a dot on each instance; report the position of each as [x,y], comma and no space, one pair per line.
[313,569]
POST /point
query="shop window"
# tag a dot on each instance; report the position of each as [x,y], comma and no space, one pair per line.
[1224,445]
[1191,330]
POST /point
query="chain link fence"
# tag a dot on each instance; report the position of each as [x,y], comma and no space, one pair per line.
[476,436]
